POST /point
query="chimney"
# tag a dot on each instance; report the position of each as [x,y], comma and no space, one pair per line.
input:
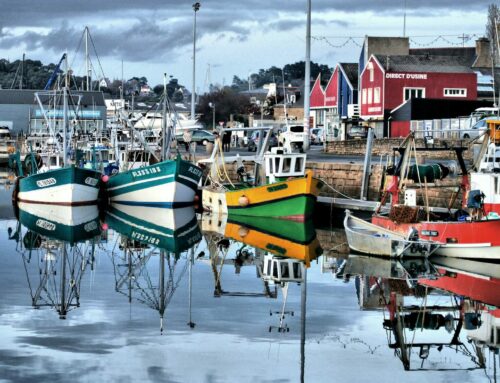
[483,53]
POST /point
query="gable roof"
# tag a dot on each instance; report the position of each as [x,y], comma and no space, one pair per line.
[351,72]
[425,63]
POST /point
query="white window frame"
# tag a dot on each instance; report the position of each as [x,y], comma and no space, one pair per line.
[370,96]
[455,92]
[376,95]
[412,89]
[371,70]
[363,98]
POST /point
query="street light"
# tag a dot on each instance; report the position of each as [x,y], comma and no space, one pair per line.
[212,105]
[196,8]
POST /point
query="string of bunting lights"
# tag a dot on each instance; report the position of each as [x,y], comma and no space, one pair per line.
[465,38]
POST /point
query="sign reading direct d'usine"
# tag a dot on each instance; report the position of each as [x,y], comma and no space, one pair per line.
[409,76]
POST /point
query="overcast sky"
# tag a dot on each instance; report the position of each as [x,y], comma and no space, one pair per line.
[233,37]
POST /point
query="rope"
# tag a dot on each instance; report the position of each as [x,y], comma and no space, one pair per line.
[335,190]
[223,165]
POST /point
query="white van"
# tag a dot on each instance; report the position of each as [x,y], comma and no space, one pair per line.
[292,137]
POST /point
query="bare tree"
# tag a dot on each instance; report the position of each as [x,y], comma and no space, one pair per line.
[492,29]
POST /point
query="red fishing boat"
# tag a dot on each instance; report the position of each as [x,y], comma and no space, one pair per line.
[465,233]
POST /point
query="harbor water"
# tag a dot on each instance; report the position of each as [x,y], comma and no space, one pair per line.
[109,302]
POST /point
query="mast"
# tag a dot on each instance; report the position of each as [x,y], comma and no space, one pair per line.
[87,59]
[65,115]
[165,134]
[162,289]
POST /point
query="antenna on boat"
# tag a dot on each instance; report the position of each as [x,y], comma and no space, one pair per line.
[87,60]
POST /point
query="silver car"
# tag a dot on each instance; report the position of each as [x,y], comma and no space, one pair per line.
[478,128]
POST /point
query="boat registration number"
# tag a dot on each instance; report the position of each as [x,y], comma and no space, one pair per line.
[430,233]
[45,224]
[147,171]
[195,171]
[91,181]
[46,182]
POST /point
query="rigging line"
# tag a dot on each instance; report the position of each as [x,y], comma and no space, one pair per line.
[77,50]
[96,55]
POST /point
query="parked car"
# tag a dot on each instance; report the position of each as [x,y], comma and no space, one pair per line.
[357,131]
[199,136]
[478,128]
[253,141]
[292,137]
[316,136]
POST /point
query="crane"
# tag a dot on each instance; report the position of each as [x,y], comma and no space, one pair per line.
[54,74]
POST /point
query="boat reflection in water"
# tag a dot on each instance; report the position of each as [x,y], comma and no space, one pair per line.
[60,243]
[283,253]
[436,316]
[147,233]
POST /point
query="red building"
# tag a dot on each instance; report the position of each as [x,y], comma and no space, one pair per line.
[387,82]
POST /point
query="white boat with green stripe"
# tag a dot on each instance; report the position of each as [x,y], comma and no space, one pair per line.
[171,183]
[70,186]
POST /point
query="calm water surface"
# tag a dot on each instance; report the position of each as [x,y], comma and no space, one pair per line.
[122,305]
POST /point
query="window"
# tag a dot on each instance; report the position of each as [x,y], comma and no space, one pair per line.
[370,100]
[376,95]
[414,93]
[364,96]
[455,92]
[370,69]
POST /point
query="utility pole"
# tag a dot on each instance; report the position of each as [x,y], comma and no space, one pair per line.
[307,85]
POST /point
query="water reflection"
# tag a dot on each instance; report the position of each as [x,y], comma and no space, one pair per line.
[57,244]
[430,307]
[148,249]
[259,291]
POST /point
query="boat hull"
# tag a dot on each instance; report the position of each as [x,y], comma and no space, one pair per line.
[69,186]
[292,199]
[367,238]
[173,230]
[167,184]
[460,239]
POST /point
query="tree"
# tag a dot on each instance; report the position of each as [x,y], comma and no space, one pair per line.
[492,28]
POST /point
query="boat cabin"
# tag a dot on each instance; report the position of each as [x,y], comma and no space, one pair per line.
[281,165]
[282,270]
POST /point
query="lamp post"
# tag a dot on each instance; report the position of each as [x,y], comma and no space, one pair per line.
[212,105]
[196,8]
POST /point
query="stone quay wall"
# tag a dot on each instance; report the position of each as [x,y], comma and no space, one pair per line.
[343,180]
[385,146]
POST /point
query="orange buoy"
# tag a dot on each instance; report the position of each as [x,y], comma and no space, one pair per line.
[243,201]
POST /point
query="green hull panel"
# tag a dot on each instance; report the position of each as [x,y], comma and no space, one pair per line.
[301,206]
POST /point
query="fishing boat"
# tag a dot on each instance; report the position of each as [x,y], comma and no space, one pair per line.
[367,238]
[288,190]
[50,184]
[168,184]
[466,233]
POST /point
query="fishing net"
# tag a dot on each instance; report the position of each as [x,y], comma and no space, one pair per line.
[404,214]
